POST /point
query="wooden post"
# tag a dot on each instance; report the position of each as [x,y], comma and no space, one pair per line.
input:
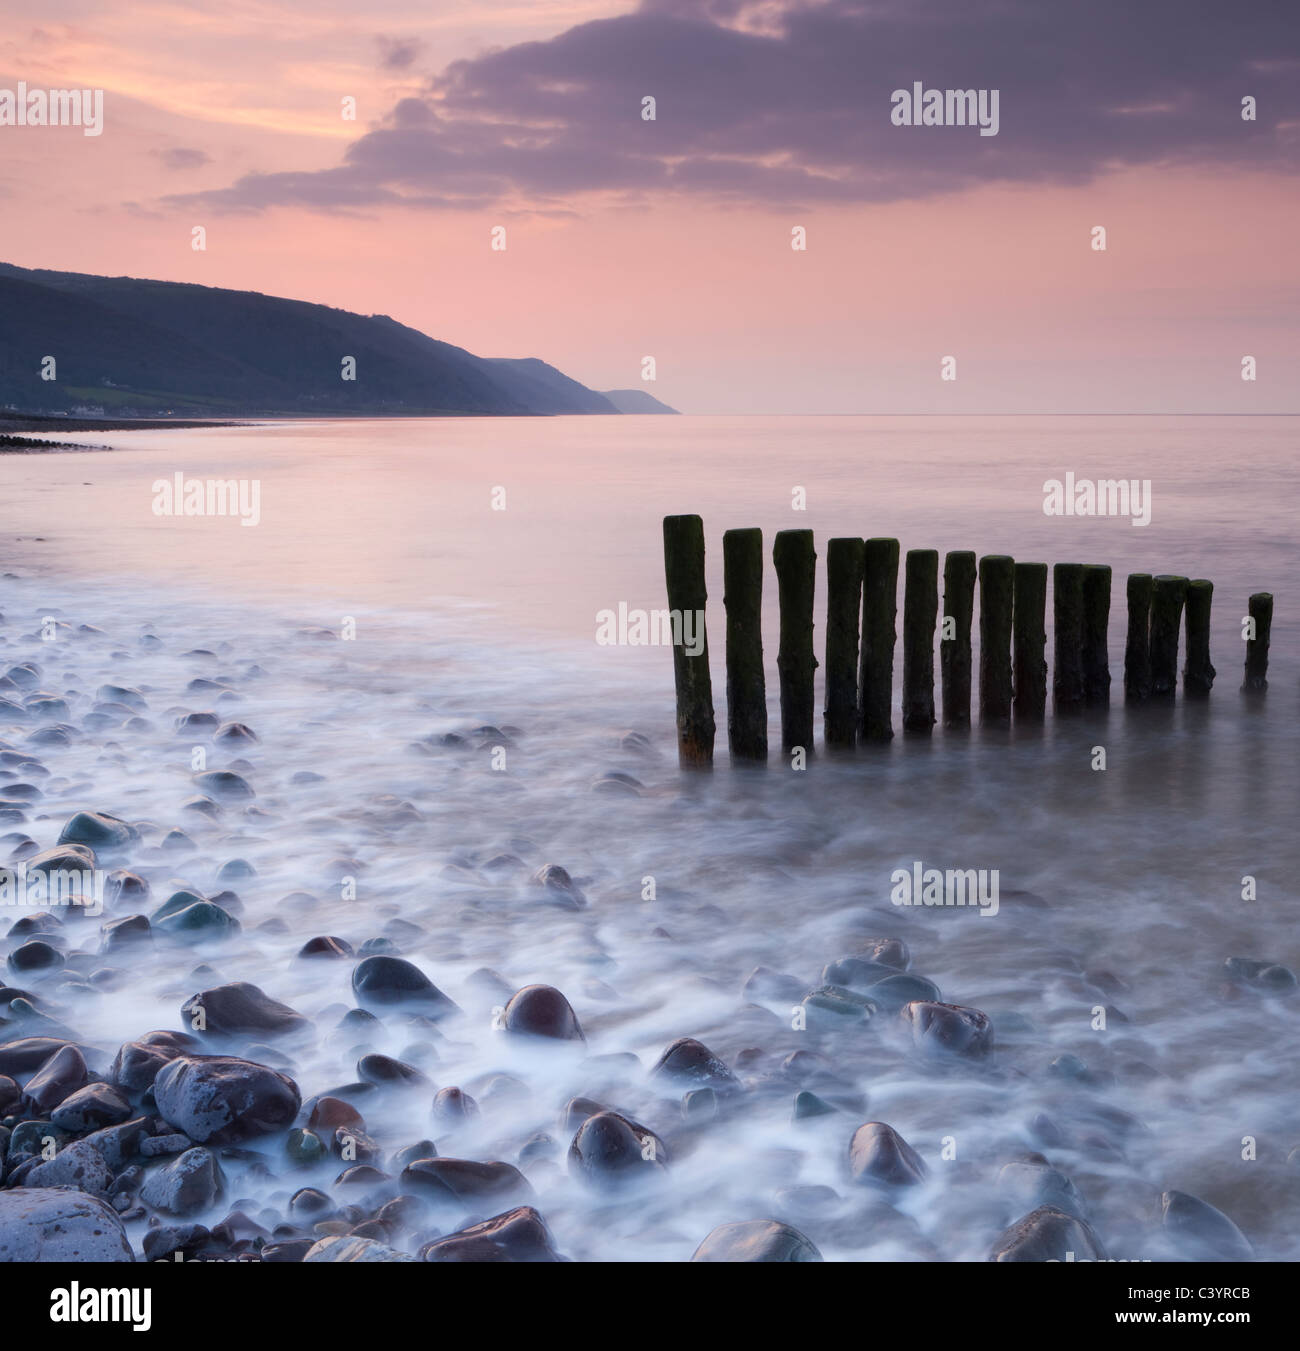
[1096,621]
[997,599]
[1198,671]
[1261,611]
[1067,621]
[1167,595]
[1029,661]
[1137,648]
[684,570]
[742,585]
[954,652]
[920,611]
[876,663]
[844,565]
[796,575]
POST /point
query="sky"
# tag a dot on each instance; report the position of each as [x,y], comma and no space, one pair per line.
[670,237]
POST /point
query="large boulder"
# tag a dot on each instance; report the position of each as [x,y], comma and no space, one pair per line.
[40,1225]
[221,1100]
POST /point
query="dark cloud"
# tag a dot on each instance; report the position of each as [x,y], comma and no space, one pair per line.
[182,157]
[398,53]
[787,102]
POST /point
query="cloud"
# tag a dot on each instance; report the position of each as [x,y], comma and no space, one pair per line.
[787,103]
[398,53]
[183,157]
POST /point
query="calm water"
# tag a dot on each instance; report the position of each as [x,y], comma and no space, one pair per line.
[466,616]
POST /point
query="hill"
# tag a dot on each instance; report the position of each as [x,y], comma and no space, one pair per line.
[125,347]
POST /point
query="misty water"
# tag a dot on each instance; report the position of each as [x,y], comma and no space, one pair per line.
[1120,888]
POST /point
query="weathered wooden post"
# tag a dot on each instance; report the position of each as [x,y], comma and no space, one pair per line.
[1067,622]
[742,586]
[997,599]
[920,612]
[879,616]
[1137,648]
[1198,672]
[954,651]
[684,570]
[1029,662]
[796,575]
[1260,610]
[1167,595]
[844,565]
[1096,621]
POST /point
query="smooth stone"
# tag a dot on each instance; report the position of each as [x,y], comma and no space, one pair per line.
[832,1006]
[186,1185]
[203,917]
[1201,1231]
[136,1065]
[58,1078]
[690,1062]
[465,1181]
[224,785]
[949,1029]
[519,1235]
[383,979]
[452,1106]
[38,1225]
[98,830]
[239,1009]
[124,932]
[878,1155]
[1032,1182]
[304,1147]
[756,1241]
[1047,1235]
[609,1149]
[325,946]
[29,1053]
[902,987]
[91,1108]
[560,888]
[73,858]
[1265,977]
[384,1069]
[224,1100]
[542,1011]
[35,955]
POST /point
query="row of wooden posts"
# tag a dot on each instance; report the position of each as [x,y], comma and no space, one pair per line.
[862,583]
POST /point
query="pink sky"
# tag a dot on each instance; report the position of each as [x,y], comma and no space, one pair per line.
[1200,270]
